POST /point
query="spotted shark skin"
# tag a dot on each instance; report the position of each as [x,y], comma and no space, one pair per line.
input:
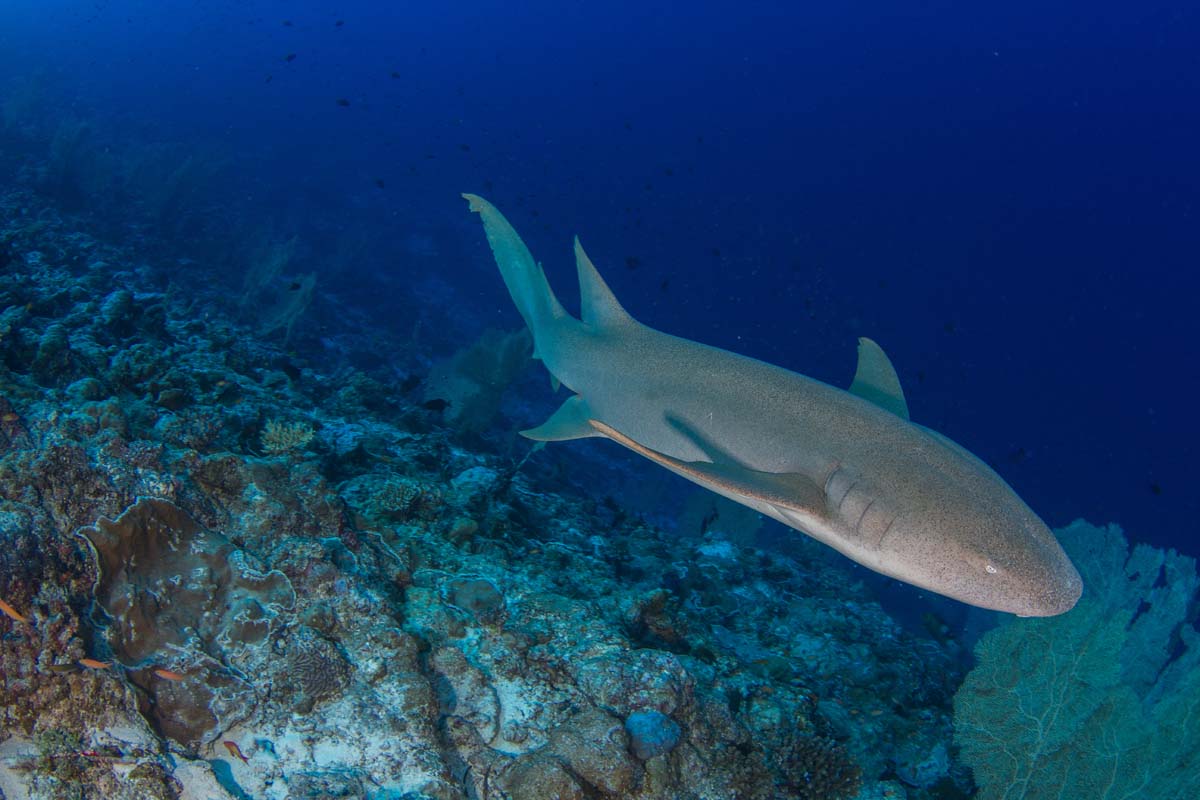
[846,467]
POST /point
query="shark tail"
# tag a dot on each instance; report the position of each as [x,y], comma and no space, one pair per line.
[522,275]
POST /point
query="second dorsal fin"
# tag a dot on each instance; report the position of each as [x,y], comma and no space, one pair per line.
[876,379]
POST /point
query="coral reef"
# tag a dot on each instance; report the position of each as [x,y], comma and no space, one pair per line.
[181,599]
[280,437]
[820,769]
[168,585]
[251,573]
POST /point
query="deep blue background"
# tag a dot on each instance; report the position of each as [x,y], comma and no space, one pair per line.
[1006,197]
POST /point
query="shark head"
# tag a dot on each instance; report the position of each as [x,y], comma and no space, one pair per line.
[932,514]
[999,556]
[924,509]
[973,540]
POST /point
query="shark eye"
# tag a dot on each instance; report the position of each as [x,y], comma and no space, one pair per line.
[990,569]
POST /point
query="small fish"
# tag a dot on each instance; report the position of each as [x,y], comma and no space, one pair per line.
[343,102]
[410,383]
[290,57]
[170,675]
[379,182]
[234,750]
[92,663]
[339,23]
[436,404]
[11,612]
[395,75]
[63,668]
[9,417]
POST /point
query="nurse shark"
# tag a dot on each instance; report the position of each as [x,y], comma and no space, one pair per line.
[846,467]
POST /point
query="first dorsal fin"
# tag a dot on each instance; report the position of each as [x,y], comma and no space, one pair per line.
[876,379]
[598,306]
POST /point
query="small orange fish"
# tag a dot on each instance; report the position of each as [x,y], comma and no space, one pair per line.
[92,663]
[234,750]
[169,675]
[9,611]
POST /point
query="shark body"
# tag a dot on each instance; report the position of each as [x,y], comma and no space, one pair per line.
[847,468]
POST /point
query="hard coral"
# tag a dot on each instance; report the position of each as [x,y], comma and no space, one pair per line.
[177,592]
[477,596]
[820,769]
[382,499]
[317,668]
[279,437]
[167,582]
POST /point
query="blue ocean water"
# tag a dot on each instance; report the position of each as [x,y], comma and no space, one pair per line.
[1006,198]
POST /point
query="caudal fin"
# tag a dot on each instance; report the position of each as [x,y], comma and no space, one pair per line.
[522,275]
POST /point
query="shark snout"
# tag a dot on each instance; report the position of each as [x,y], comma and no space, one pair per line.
[1018,568]
[1033,577]
[1057,593]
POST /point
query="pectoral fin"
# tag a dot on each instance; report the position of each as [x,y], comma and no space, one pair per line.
[571,421]
[788,490]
